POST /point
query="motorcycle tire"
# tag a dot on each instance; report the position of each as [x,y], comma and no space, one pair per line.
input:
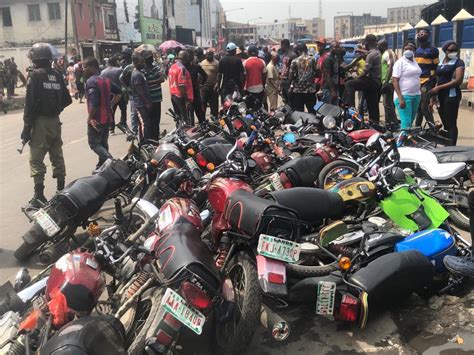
[26,249]
[326,170]
[310,271]
[249,309]
[459,219]
[142,329]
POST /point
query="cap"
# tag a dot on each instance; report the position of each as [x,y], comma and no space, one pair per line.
[321,40]
[252,50]
[231,46]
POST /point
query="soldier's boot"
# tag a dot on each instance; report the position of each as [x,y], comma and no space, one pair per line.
[38,199]
[60,184]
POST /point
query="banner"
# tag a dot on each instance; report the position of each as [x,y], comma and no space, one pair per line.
[151,21]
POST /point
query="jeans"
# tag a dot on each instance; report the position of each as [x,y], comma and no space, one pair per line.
[371,89]
[198,107]
[448,111]
[99,142]
[210,98]
[389,107]
[408,114]
[424,108]
[300,100]
[122,104]
[285,94]
[184,112]
[133,118]
[155,119]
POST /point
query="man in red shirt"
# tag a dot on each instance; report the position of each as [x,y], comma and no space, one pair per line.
[321,42]
[181,88]
[255,74]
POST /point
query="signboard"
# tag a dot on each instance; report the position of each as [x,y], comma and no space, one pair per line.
[151,21]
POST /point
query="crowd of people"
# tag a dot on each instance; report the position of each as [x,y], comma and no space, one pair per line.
[9,75]
[411,85]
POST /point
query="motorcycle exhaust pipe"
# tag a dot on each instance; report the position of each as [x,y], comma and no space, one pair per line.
[278,327]
[50,254]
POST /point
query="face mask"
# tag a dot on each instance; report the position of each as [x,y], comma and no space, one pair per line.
[452,55]
[408,54]
[422,39]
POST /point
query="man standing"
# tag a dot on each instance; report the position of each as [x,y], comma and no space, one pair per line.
[113,72]
[198,77]
[330,69]
[427,58]
[46,98]
[209,89]
[79,75]
[154,77]
[322,55]
[287,56]
[181,89]
[388,59]
[256,74]
[273,82]
[141,96]
[302,78]
[99,90]
[369,81]
[231,73]
[125,80]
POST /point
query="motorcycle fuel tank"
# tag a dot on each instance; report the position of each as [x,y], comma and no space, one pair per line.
[176,209]
[362,135]
[221,188]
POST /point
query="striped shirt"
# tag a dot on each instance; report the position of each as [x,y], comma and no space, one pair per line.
[152,74]
[428,60]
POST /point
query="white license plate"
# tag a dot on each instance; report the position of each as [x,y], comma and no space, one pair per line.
[326,297]
[276,183]
[46,223]
[177,306]
[191,164]
[280,249]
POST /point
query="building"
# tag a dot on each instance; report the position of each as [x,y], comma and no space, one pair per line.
[447,8]
[384,28]
[410,14]
[245,32]
[346,26]
[315,27]
[128,20]
[294,29]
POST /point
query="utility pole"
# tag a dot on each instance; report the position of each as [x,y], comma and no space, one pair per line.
[65,34]
[165,19]
[92,24]
[74,26]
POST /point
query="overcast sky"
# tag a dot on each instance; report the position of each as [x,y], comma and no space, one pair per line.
[271,10]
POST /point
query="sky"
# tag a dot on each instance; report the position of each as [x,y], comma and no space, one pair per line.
[271,10]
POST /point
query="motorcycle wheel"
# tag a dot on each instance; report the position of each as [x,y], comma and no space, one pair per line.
[234,336]
[26,249]
[459,219]
[310,271]
[144,322]
[335,172]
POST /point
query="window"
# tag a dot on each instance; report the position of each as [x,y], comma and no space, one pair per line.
[98,15]
[80,9]
[110,22]
[6,17]
[34,12]
[54,11]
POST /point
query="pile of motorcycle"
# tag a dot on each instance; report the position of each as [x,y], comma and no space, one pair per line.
[218,227]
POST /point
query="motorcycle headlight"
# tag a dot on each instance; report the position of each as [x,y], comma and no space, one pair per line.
[242,107]
[329,122]
[348,125]
[280,116]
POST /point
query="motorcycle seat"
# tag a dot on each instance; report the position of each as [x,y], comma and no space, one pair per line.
[214,140]
[443,171]
[312,205]
[217,153]
[244,212]
[458,154]
[297,117]
[304,171]
[393,276]
[87,193]
[314,138]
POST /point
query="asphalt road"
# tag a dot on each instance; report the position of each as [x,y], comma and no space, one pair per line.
[16,188]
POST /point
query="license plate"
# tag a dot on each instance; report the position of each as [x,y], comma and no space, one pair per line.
[326,298]
[191,164]
[177,306]
[276,183]
[46,223]
[280,249]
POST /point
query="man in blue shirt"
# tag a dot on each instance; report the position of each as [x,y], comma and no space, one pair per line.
[141,96]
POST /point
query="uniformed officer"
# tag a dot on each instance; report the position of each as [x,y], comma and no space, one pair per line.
[46,97]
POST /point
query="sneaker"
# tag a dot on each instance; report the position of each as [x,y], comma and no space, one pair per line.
[112,132]
[122,127]
[460,265]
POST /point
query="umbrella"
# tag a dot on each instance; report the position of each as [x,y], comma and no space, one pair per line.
[170,45]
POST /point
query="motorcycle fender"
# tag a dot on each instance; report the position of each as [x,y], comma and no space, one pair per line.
[146,207]
[272,276]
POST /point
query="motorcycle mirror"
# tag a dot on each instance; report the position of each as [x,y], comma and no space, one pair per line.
[22,279]
[251,163]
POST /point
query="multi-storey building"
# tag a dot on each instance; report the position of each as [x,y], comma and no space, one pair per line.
[411,14]
[350,26]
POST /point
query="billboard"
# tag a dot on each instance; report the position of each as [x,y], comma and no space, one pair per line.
[151,21]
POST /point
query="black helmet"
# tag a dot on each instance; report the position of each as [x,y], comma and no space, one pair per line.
[170,181]
[41,51]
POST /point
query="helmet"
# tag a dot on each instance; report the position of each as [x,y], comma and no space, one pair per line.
[41,51]
[170,181]
[77,277]
[199,52]
[231,46]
